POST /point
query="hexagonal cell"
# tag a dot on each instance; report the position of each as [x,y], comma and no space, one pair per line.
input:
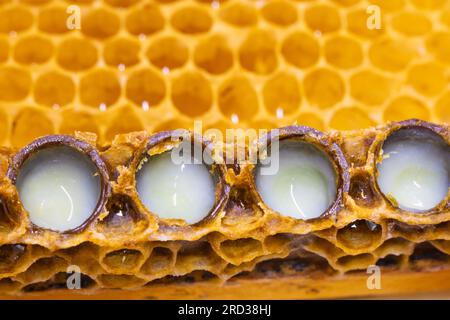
[29,124]
[241,250]
[357,24]
[281,94]
[412,23]
[53,20]
[237,99]
[168,52]
[428,79]
[123,259]
[257,52]
[15,83]
[99,87]
[146,19]
[196,256]
[362,191]
[85,255]
[121,51]
[439,45]
[76,54]
[100,23]
[160,261]
[192,94]
[391,55]
[240,14]
[125,120]
[359,234]
[213,54]
[280,12]
[395,246]
[10,255]
[324,87]
[322,18]
[405,107]
[54,88]
[351,118]
[381,87]
[145,87]
[33,49]
[43,269]
[343,52]
[191,20]
[300,49]
[357,262]
[16,18]
[390,261]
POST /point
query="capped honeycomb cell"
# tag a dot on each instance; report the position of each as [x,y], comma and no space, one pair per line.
[324,87]
[168,52]
[146,20]
[191,20]
[213,55]
[99,87]
[191,94]
[300,49]
[257,53]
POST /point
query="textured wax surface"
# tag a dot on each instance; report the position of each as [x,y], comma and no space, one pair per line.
[415,172]
[59,188]
[305,184]
[175,190]
[158,65]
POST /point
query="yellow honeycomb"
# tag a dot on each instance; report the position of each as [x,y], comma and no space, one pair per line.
[152,65]
[155,65]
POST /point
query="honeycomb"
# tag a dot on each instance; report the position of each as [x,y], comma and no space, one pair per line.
[126,246]
[143,65]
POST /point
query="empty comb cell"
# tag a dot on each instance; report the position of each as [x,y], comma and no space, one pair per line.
[414,169]
[176,188]
[59,185]
[305,184]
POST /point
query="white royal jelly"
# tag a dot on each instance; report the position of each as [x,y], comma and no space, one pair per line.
[176,191]
[59,187]
[304,186]
[415,169]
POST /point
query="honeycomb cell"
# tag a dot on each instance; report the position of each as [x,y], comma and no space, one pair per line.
[15,83]
[160,260]
[439,45]
[192,94]
[10,255]
[442,108]
[412,23]
[370,88]
[121,3]
[311,120]
[350,118]
[300,49]
[123,258]
[168,52]
[191,20]
[76,54]
[324,88]
[78,120]
[389,5]
[53,20]
[54,88]
[240,14]
[237,99]
[390,55]
[100,23]
[28,125]
[428,79]
[147,20]
[281,94]
[322,18]
[404,107]
[429,4]
[257,53]
[15,19]
[4,49]
[121,51]
[357,24]
[359,234]
[145,86]
[125,120]
[362,190]
[280,12]
[241,249]
[343,52]
[213,55]
[98,87]
[33,49]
